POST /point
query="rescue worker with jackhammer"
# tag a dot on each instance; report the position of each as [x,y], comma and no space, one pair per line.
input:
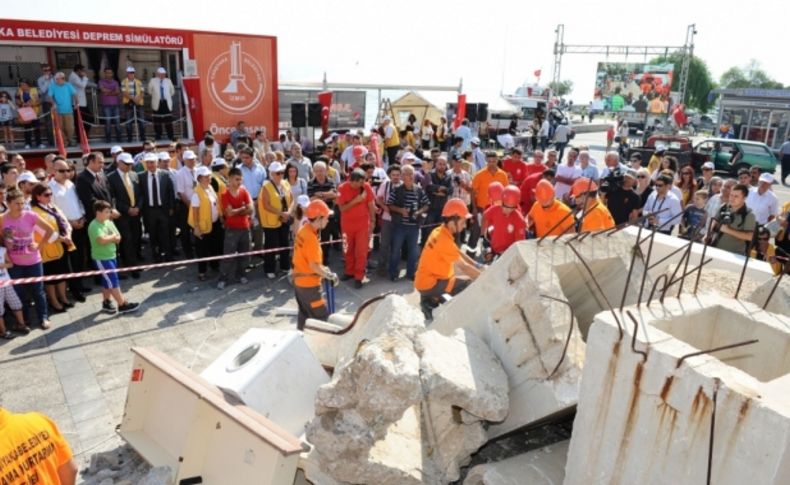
[308,269]
[435,275]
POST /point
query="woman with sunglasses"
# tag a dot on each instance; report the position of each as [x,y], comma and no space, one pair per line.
[54,249]
[687,185]
[765,251]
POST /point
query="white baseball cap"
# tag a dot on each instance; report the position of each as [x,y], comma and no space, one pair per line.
[115,149]
[303,201]
[767,178]
[189,155]
[202,171]
[161,70]
[130,69]
[475,140]
[708,165]
[660,147]
[218,162]
[276,167]
[387,118]
[27,176]
[163,156]
[150,157]
[126,158]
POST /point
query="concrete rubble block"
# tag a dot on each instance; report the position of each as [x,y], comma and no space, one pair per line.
[450,441]
[779,302]
[462,371]
[161,475]
[338,433]
[544,466]
[520,308]
[648,419]
[310,465]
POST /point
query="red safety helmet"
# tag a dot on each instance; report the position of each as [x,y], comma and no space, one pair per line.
[318,208]
[583,185]
[495,191]
[455,207]
[359,151]
[511,197]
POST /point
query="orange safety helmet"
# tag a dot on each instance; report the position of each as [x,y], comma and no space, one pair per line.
[318,208]
[511,197]
[544,192]
[583,185]
[495,191]
[456,207]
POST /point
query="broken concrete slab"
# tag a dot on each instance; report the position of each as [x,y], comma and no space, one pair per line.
[646,418]
[450,441]
[544,466]
[780,300]
[460,369]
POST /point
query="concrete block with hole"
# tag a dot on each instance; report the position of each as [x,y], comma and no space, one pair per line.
[648,415]
[517,308]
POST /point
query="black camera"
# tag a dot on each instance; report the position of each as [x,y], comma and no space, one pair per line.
[612,182]
[457,180]
[725,217]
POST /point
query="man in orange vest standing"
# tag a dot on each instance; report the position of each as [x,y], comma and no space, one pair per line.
[308,268]
[358,215]
[549,217]
[594,215]
[435,275]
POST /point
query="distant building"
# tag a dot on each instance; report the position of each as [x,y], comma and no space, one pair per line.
[756,114]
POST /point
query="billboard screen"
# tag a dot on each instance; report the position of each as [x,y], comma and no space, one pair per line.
[642,88]
[347,111]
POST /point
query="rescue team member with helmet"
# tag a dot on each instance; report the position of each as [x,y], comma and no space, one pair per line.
[436,270]
[307,265]
[495,191]
[596,215]
[548,212]
[481,187]
[504,223]
[32,450]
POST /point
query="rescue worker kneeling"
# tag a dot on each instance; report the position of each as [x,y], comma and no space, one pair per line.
[435,275]
[307,268]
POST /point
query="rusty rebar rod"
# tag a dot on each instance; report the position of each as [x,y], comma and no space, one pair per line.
[555,226]
[686,255]
[638,221]
[658,228]
[655,285]
[715,349]
[567,228]
[633,337]
[567,339]
[747,257]
[712,430]
[646,263]
[600,290]
[708,238]
[773,290]
[690,271]
[686,264]
[674,252]
[631,267]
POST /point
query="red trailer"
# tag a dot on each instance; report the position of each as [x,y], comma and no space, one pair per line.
[220,78]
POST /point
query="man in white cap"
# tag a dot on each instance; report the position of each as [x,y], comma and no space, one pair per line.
[158,197]
[161,90]
[111,164]
[125,191]
[478,157]
[185,184]
[707,176]
[26,181]
[762,200]
[132,101]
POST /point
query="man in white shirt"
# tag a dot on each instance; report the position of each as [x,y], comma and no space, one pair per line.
[347,157]
[762,200]
[718,200]
[162,90]
[64,196]
[567,173]
[79,80]
[561,137]
[588,169]
[185,186]
[543,134]
[303,164]
[464,132]
[662,198]
[612,162]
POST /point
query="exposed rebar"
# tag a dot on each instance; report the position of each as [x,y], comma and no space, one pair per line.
[600,290]
[702,256]
[773,290]
[655,285]
[567,339]
[712,430]
[747,257]
[646,263]
[715,349]
[555,226]
[631,267]
[633,337]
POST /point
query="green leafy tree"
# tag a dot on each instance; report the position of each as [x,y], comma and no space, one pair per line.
[700,82]
[561,88]
[752,75]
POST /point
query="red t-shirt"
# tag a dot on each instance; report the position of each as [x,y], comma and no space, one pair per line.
[357,216]
[516,169]
[528,191]
[533,168]
[503,230]
[241,199]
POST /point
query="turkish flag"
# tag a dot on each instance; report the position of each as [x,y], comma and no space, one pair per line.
[325,99]
[460,113]
[537,73]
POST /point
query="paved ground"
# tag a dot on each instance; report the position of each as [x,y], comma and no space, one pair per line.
[77,372]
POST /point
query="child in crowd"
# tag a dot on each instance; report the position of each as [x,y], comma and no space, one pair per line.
[9,297]
[7,114]
[104,237]
[694,219]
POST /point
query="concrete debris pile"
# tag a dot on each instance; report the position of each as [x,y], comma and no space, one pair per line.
[123,466]
[544,466]
[409,406]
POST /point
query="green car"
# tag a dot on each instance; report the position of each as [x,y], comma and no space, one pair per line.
[729,155]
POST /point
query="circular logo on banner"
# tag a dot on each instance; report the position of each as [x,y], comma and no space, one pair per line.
[236,81]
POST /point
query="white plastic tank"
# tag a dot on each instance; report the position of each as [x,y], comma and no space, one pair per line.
[273,372]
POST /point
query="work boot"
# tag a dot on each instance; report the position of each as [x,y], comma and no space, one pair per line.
[427,305]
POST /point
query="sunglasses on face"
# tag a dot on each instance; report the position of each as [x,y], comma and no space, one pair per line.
[47,194]
[658,186]
[63,170]
[641,176]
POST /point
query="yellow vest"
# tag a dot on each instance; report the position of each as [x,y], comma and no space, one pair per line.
[126,91]
[204,211]
[50,251]
[220,183]
[271,220]
[394,140]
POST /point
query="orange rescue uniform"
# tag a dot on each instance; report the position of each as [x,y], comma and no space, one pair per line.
[437,260]
[31,449]
[598,219]
[545,218]
[307,250]
[482,180]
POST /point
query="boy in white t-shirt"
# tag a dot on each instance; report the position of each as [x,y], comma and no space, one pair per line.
[8,295]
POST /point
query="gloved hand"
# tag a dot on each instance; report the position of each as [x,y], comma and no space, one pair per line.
[332,278]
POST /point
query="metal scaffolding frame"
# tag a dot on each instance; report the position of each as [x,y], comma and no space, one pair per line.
[560,48]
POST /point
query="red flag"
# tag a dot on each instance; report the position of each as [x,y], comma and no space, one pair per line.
[58,134]
[460,113]
[86,147]
[537,73]
[325,99]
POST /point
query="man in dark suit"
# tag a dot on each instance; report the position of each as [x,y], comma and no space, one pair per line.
[158,199]
[125,191]
[92,185]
